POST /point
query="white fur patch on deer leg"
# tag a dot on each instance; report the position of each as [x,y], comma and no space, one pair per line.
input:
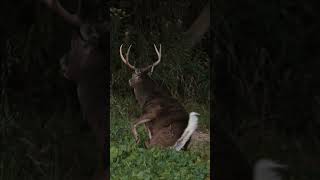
[134,129]
[149,132]
[135,134]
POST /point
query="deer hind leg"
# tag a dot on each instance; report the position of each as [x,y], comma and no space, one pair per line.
[146,143]
[139,121]
[163,138]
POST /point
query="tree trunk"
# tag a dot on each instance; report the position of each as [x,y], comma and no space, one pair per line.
[199,27]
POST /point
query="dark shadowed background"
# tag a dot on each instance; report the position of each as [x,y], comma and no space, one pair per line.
[43,134]
[266,80]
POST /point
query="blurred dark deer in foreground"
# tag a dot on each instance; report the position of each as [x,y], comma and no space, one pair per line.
[167,122]
[86,65]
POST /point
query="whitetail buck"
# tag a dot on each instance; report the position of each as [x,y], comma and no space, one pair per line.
[167,122]
[86,65]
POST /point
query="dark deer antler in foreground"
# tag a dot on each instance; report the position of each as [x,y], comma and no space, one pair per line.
[86,64]
[167,122]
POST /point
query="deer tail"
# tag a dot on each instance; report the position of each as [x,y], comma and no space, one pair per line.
[266,170]
[192,126]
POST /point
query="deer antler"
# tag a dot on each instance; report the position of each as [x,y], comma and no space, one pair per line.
[126,60]
[158,53]
[72,19]
[157,62]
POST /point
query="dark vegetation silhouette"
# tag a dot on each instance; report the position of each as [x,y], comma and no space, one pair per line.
[264,74]
[43,106]
[86,65]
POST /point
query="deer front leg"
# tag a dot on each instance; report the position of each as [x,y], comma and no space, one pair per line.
[148,130]
[137,122]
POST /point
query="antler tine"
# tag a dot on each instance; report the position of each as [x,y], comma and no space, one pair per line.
[127,54]
[155,63]
[158,53]
[121,55]
[126,60]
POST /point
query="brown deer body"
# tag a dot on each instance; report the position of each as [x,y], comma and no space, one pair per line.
[167,122]
[86,65]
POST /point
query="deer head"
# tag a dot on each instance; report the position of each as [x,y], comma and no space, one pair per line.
[140,81]
[86,55]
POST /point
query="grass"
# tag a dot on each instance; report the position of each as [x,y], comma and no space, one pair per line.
[131,161]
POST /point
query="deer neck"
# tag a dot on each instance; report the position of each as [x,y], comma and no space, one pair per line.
[140,96]
[143,93]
